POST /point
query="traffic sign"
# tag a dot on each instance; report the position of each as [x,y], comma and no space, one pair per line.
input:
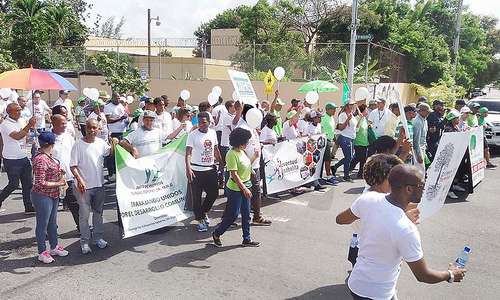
[269,81]
[364,37]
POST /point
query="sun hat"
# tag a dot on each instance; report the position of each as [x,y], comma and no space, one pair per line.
[452,114]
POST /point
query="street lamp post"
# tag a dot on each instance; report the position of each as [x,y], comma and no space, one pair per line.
[157,19]
[352,47]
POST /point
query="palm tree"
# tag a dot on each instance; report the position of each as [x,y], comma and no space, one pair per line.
[58,17]
[26,10]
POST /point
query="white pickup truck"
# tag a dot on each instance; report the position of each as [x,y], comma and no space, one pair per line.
[493,130]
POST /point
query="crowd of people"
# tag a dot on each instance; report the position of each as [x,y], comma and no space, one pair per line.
[71,144]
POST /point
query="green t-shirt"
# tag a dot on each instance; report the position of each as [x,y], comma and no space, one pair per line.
[410,129]
[481,121]
[237,160]
[362,133]
[472,121]
[328,126]
[278,128]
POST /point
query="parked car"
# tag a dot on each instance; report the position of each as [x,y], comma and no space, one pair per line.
[493,130]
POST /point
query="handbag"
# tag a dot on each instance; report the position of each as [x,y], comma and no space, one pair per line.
[372,136]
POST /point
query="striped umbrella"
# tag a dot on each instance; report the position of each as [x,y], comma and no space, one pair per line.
[34,79]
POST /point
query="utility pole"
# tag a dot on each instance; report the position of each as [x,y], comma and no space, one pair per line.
[352,48]
[149,43]
[456,42]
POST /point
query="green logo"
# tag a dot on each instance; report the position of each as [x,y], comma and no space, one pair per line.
[473,142]
[151,176]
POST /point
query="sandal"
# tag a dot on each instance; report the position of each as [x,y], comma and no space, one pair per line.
[261,221]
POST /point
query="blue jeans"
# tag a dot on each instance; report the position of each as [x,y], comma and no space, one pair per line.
[18,170]
[90,201]
[46,220]
[345,144]
[236,202]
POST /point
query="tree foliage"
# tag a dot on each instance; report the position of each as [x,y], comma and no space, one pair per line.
[108,28]
[120,76]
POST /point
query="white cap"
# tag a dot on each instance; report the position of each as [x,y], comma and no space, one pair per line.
[465,110]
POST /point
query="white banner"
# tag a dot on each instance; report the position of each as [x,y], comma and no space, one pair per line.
[151,190]
[440,174]
[243,87]
[293,163]
[476,152]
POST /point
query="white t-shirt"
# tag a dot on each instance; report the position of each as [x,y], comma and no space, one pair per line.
[69,106]
[379,120]
[147,142]
[203,144]
[103,125]
[25,116]
[215,113]
[253,144]
[312,129]
[388,237]
[3,108]
[40,111]
[12,148]
[350,130]
[227,125]
[290,132]
[268,135]
[62,152]
[89,158]
[164,123]
[302,126]
[116,111]
[176,123]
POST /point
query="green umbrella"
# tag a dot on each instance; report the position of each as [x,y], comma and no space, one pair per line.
[319,86]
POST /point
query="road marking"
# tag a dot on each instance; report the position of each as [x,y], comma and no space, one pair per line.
[296,202]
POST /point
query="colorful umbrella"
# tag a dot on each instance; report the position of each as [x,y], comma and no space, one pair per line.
[34,79]
[319,86]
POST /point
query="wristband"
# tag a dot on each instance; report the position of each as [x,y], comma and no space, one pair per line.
[452,277]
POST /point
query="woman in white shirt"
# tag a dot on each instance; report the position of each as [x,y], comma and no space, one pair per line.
[347,125]
[267,134]
[181,124]
[291,127]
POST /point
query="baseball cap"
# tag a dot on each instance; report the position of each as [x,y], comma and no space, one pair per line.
[372,101]
[149,114]
[410,108]
[483,110]
[316,114]
[144,98]
[465,110]
[330,105]
[453,114]
[438,103]
[423,106]
[475,105]
[63,92]
[280,102]
[81,99]
[46,138]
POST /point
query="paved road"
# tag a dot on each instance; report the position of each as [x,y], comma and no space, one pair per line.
[303,254]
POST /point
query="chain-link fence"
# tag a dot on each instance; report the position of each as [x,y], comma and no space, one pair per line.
[185,59]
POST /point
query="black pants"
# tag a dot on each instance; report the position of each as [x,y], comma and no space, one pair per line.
[204,181]
[70,201]
[110,160]
[256,200]
[357,297]
[359,157]
[18,170]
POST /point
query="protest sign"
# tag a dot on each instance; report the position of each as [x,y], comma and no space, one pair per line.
[269,81]
[151,190]
[440,174]
[243,87]
[293,163]
[476,152]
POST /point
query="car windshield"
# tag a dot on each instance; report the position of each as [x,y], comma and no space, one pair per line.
[493,106]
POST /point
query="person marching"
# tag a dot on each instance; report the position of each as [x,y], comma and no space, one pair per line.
[146,139]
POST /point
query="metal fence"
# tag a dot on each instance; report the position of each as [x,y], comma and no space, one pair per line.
[184,59]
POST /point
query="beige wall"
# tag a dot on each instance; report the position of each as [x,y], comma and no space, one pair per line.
[200,89]
[222,43]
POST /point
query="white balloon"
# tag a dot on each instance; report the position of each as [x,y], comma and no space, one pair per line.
[5,93]
[93,94]
[312,97]
[254,117]
[235,96]
[279,73]
[252,101]
[185,94]
[130,99]
[85,92]
[213,98]
[217,90]
[361,93]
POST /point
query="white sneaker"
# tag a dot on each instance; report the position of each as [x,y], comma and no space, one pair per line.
[458,188]
[452,195]
[101,244]
[45,257]
[86,249]
[58,251]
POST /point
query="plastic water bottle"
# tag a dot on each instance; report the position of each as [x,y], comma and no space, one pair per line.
[354,240]
[463,258]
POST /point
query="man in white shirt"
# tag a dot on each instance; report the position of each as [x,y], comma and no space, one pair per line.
[201,153]
[163,120]
[63,111]
[15,159]
[40,110]
[62,152]
[87,158]
[227,126]
[388,237]
[146,140]
[99,115]
[116,117]
[252,149]
[378,118]
[66,102]
[25,111]
[218,114]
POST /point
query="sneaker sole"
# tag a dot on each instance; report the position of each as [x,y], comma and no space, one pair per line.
[250,246]
[40,260]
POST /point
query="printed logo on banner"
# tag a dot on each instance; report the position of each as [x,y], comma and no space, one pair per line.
[152,175]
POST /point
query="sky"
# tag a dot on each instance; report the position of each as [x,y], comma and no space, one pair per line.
[179,19]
